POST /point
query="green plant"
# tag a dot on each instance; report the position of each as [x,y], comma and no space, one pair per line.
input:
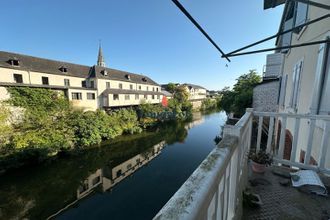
[261,157]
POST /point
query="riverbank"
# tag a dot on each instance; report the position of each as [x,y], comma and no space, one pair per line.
[49,126]
[38,192]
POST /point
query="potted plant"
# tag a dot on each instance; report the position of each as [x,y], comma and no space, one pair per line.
[260,160]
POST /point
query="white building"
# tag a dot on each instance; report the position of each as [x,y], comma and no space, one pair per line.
[89,88]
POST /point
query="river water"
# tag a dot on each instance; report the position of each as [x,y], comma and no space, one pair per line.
[131,177]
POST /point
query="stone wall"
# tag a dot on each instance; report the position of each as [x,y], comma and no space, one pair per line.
[265,96]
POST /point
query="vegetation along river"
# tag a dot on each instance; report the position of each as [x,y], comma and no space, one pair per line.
[131,177]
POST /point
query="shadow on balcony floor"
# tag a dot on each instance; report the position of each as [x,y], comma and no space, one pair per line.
[285,202]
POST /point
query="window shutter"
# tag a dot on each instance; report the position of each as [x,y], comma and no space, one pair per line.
[297,84]
[301,15]
[293,86]
[286,38]
[325,101]
[318,81]
[283,90]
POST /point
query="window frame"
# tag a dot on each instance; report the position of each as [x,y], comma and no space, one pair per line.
[66,82]
[76,96]
[91,96]
[18,75]
[43,78]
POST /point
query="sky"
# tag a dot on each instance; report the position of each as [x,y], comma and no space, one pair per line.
[150,37]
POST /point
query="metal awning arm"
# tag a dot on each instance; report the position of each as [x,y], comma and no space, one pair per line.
[278,34]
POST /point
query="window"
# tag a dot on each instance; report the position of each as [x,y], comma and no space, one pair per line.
[139,87]
[92,84]
[96,180]
[126,97]
[66,82]
[324,106]
[153,96]
[107,85]
[295,84]
[153,89]
[301,13]
[157,89]
[136,96]
[44,80]
[147,88]
[90,96]
[119,173]
[158,96]
[83,84]
[14,62]
[127,76]
[131,87]
[63,69]
[76,96]
[115,97]
[18,78]
[146,96]
[120,86]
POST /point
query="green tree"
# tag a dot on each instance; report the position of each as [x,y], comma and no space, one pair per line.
[240,97]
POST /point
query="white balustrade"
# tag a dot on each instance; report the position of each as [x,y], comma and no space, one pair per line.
[214,190]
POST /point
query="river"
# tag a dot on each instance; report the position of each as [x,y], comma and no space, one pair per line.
[131,177]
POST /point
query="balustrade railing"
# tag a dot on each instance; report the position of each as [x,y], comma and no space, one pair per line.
[214,190]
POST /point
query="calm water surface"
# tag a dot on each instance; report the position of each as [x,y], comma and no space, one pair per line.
[129,178]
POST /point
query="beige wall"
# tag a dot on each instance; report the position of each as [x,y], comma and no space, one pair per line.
[30,77]
[85,104]
[35,78]
[309,55]
[195,93]
[132,101]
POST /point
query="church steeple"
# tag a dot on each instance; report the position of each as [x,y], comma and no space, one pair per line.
[100,59]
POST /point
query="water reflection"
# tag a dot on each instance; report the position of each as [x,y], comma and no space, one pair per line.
[107,177]
[46,190]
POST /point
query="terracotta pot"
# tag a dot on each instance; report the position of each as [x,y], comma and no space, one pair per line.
[257,167]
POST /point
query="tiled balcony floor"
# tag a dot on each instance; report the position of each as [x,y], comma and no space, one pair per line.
[285,202]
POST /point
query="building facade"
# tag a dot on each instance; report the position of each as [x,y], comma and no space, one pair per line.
[88,88]
[304,76]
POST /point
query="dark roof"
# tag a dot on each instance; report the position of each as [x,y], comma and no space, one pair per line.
[113,74]
[127,91]
[36,64]
[272,3]
[29,63]
[193,86]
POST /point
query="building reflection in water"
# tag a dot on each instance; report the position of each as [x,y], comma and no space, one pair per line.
[198,119]
[108,178]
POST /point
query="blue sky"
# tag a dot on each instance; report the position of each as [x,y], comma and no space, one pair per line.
[150,37]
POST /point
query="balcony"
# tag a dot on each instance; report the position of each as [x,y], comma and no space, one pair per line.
[215,189]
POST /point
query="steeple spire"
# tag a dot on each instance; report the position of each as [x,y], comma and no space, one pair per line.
[100,59]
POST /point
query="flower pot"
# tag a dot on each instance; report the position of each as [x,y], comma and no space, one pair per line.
[257,167]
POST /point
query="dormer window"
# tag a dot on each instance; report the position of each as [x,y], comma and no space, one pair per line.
[63,69]
[104,72]
[144,79]
[13,62]
[127,76]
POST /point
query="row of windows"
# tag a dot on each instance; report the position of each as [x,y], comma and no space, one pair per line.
[131,87]
[137,96]
[18,78]
[78,96]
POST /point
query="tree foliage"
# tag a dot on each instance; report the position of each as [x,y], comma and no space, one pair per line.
[240,97]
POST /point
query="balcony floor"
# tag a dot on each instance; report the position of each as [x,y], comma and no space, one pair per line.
[285,202]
